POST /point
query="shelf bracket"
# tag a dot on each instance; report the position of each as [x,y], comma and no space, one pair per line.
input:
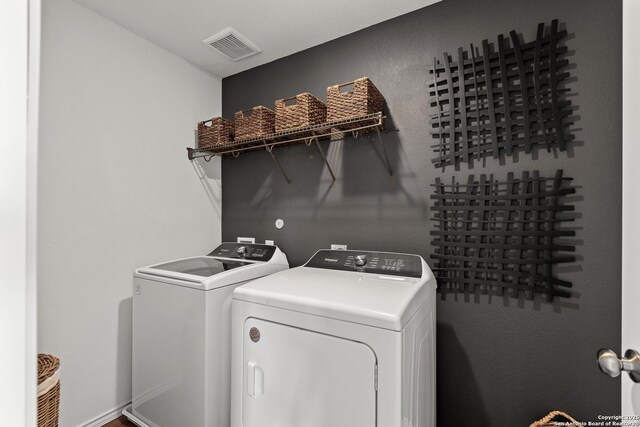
[192,154]
[269,149]
[384,151]
[324,157]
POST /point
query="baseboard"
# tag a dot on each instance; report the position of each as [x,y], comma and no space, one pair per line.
[108,416]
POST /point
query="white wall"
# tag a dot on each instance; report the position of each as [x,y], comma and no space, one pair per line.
[116,192]
[630,197]
[19,47]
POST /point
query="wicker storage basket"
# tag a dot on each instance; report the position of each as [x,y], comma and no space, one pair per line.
[556,418]
[48,390]
[259,123]
[361,99]
[215,133]
[306,110]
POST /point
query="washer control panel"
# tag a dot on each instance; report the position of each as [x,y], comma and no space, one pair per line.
[386,263]
[248,251]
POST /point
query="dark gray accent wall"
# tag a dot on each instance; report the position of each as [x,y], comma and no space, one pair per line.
[501,361]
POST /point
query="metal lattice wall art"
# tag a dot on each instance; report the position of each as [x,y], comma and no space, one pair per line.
[496,235]
[497,100]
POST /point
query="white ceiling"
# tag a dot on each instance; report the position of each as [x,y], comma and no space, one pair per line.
[278,27]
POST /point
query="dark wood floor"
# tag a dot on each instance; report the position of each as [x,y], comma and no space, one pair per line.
[120,422]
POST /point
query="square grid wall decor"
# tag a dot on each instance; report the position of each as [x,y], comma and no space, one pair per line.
[503,235]
[496,100]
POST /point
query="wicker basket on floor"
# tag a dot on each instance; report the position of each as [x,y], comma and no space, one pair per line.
[259,123]
[556,418]
[361,99]
[48,390]
[216,132]
[305,110]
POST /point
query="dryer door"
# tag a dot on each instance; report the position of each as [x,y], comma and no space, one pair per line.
[298,378]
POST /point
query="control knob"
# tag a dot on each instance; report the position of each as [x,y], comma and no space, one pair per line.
[242,250]
[361,260]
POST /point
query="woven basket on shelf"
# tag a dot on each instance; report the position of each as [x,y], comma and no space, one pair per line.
[305,110]
[214,133]
[556,418]
[353,99]
[48,390]
[259,123]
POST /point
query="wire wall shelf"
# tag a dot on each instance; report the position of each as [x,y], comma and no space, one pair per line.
[334,131]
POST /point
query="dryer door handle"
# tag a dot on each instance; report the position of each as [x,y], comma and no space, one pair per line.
[255,379]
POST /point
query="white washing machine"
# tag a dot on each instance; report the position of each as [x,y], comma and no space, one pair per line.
[347,340]
[181,341]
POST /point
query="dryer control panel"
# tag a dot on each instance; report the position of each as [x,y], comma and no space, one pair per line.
[247,251]
[387,263]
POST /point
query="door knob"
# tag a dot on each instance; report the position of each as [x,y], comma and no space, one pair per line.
[611,365]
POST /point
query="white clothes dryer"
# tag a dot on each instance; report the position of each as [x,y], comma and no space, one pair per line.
[181,334]
[348,339]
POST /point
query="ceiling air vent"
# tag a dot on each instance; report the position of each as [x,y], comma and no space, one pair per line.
[232,44]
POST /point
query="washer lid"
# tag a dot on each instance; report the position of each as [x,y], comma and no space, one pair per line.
[202,266]
[378,300]
[196,269]
[228,264]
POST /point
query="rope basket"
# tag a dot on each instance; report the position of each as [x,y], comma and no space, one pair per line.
[214,133]
[259,123]
[305,110]
[353,99]
[48,390]
[556,418]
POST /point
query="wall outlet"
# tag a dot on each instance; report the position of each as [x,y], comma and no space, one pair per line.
[335,247]
[245,240]
[269,242]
